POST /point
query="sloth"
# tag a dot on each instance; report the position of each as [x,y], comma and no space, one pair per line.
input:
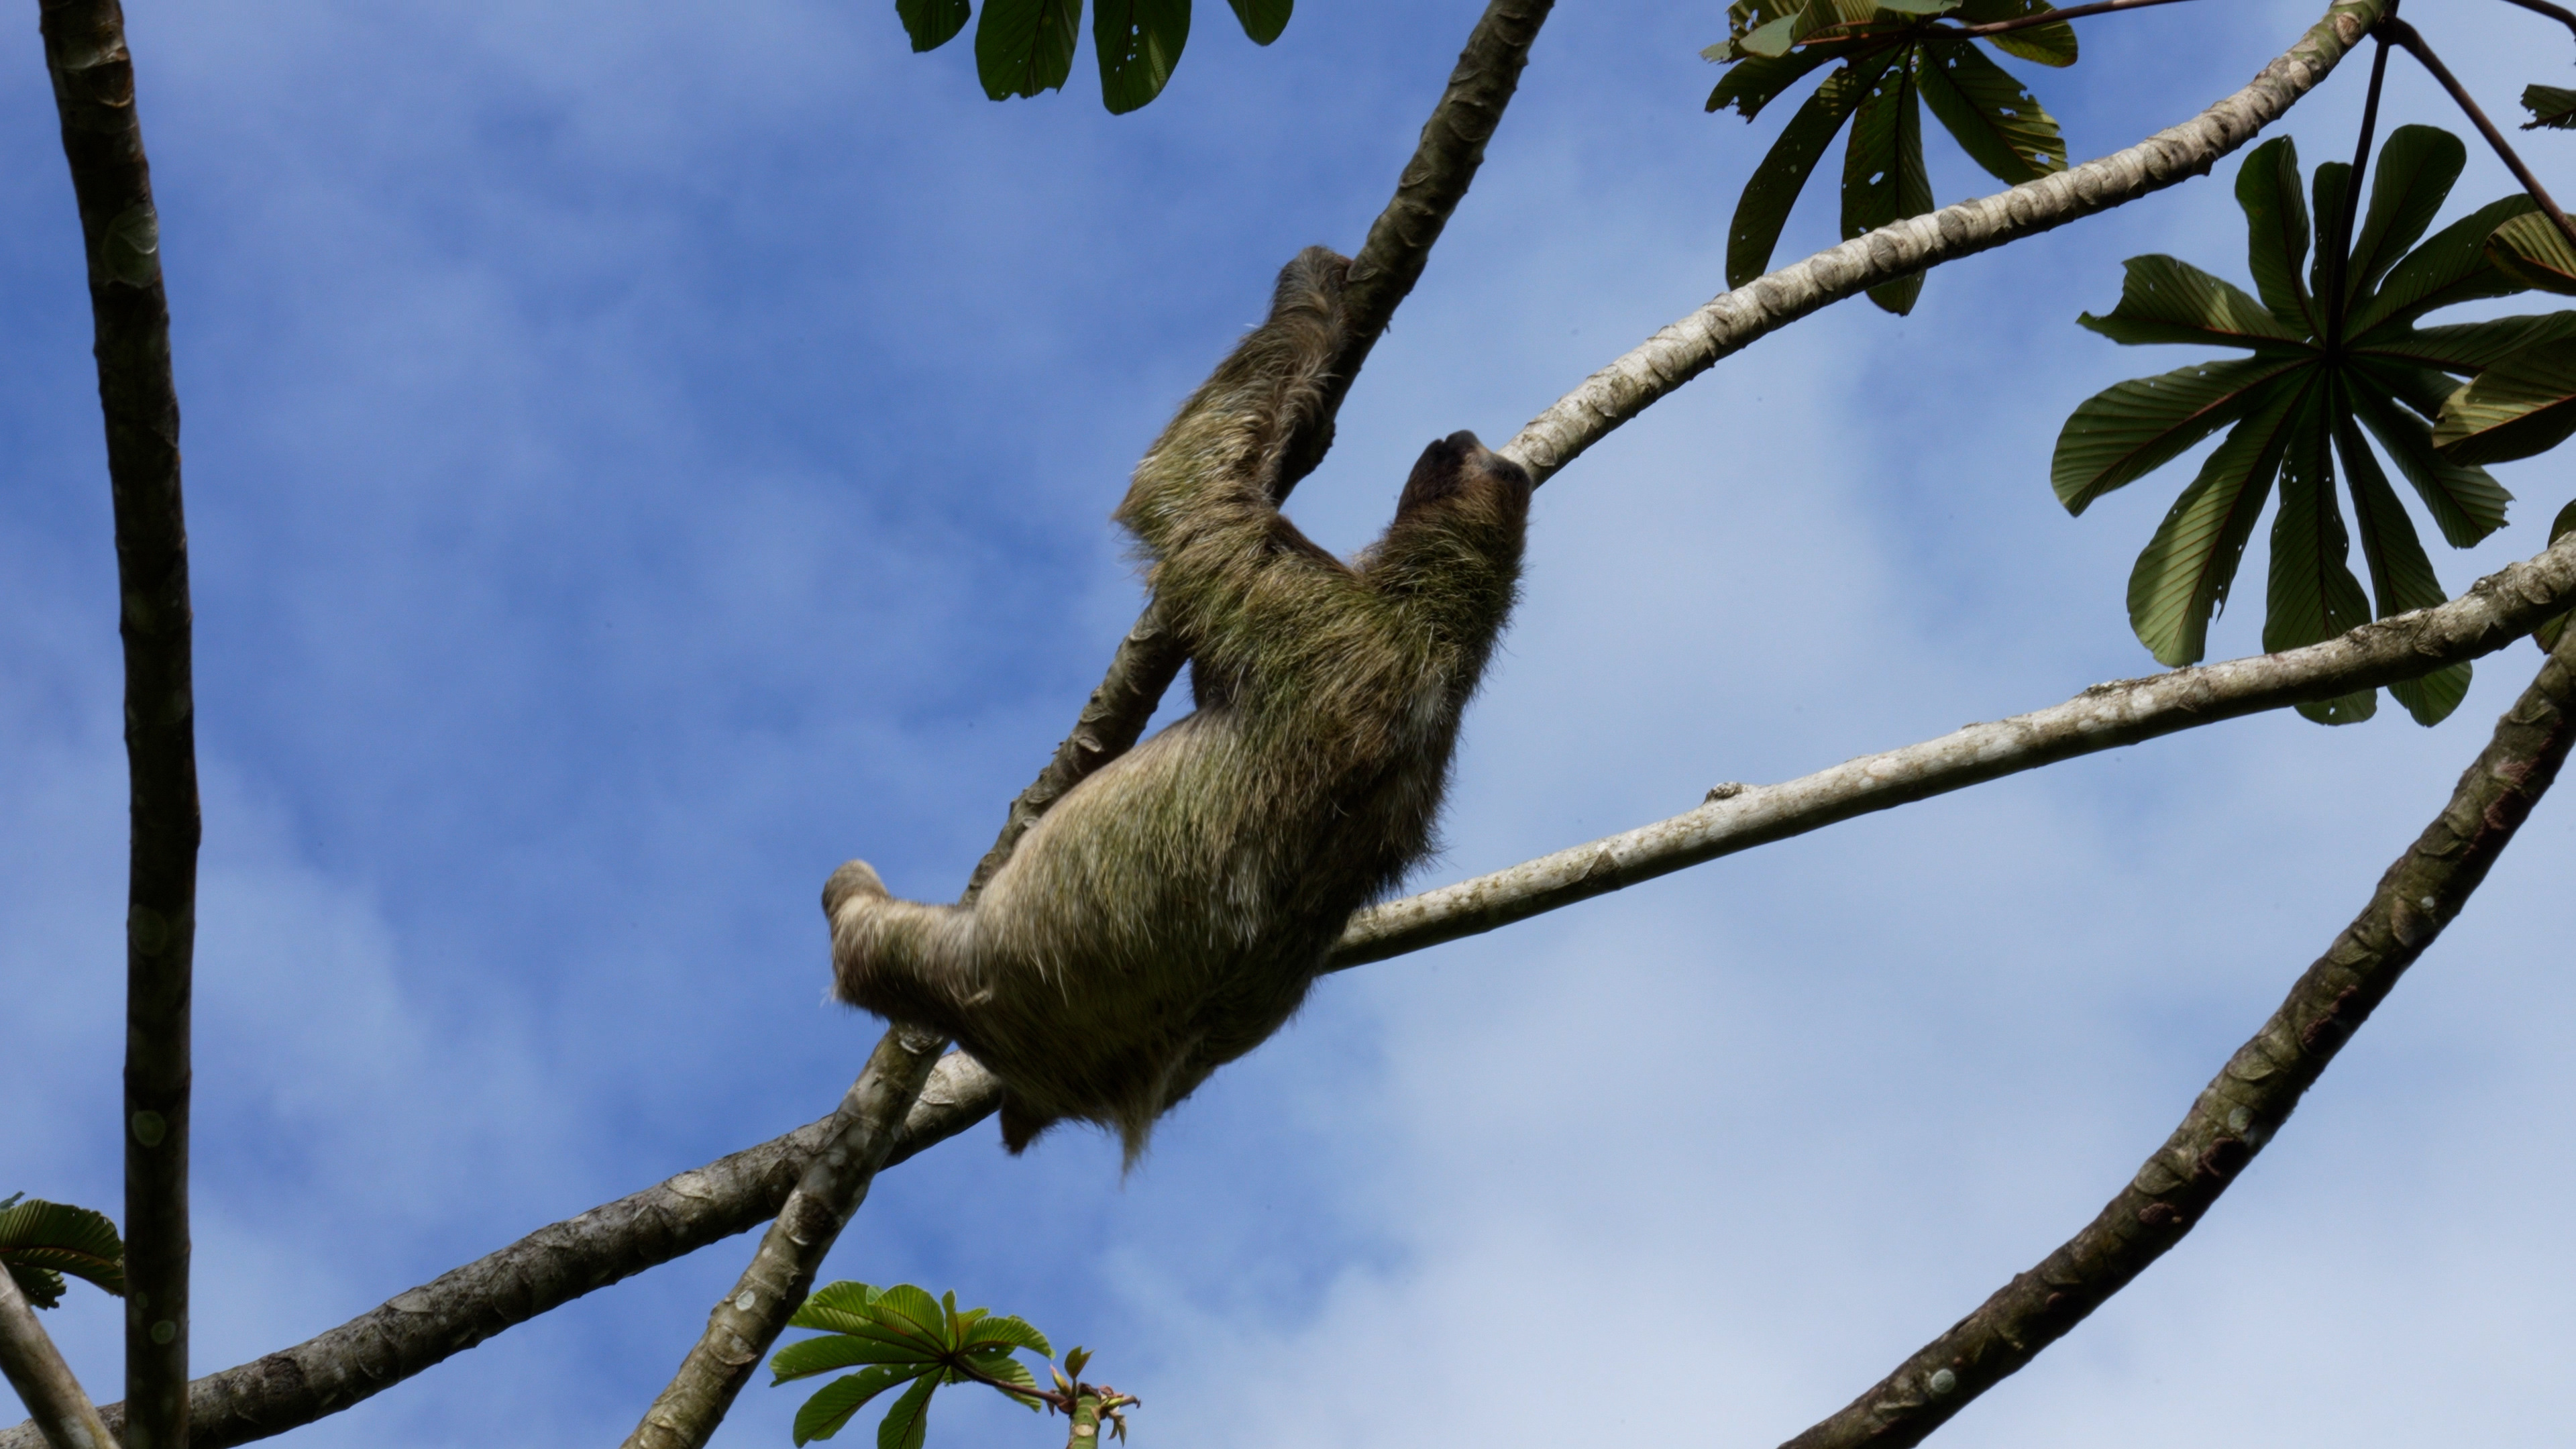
[1170,913]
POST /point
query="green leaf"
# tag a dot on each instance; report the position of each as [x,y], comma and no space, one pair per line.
[840,1307]
[2414,176]
[1262,19]
[2313,595]
[2163,299]
[2001,125]
[2550,107]
[41,1241]
[1009,1333]
[1077,1360]
[2182,577]
[2465,502]
[1757,81]
[2546,636]
[2130,429]
[2051,45]
[2523,405]
[2533,251]
[998,1364]
[2400,574]
[2464,346]
[1023,47]
[1137,43]
[2451,266]
[829,1410]
[1775,184]
[843,1350]
[932,23]
[914,1313]
[2276,225]
[1883,178]
[908,1422]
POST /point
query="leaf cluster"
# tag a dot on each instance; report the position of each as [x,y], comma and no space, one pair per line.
[42,1241]
[2334,353]
[902,1335]
[1023,47]
[1892,59]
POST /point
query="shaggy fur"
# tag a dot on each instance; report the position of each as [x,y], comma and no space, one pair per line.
[1171,911]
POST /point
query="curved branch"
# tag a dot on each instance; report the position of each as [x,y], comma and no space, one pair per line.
[2499,609]
[1762,306]
[93,78]
[35,1368]
[2250,1097]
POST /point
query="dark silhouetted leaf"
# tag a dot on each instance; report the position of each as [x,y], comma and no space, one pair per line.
[2166,300]
[2052,45]
[2312,595]
[2407,189]
[2532,250]
[1137,43]
[1997,122]
[1775,184]
[2451,266]
[41,1241]
[2182,577]
[1262,19]
[2523,405]
[2400,575]
[2464,346]
[2276,225]
[1883,179]
[1023,47]
[1756,81]
[2130,429]
[932,23]
[2550,106]
[2465,502]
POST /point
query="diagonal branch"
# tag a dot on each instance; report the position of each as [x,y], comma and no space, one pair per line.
[2496,611]
[1735,320]
[93,80]
[2237,1113]
[2403,34]
[35,1368]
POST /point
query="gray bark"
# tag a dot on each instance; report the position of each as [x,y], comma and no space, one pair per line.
[35,1368]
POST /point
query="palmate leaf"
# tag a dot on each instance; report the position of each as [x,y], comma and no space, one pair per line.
[2182,577]
[832,1351]
[932,23]
[1262,20]
[2276,227]
[2313,595]
[1775,184]
[2416,169]
[908,1422]
[832,1406]
[1023,47]
[2001,125]
[1006,1332]
[2532,250]
[2130,429]
[42,1241]
[2052,45]
[2523,405]
[2462,346]
[2546,636]
[1883,177]
[2400,574]
[2550,106]
[1137,43]
[2165,300]
[2466,502]
[2451,266]
[1757,80]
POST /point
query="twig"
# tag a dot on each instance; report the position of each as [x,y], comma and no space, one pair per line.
[2339,247]
[93,81]
[2559,13]
[2050,17]
[1737,319]
[2406,35]
[35,1368]
[2237,1113]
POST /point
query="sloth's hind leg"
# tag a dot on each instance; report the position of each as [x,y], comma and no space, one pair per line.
[900,959]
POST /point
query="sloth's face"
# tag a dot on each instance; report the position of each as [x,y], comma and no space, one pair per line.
[1459,467]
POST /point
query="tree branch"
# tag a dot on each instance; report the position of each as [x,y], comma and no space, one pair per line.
[2237,1113]
[2049,17]
[2401,33]
[93,79]
[2497,610]
[35,1368]
[2559,13]
[1735,320]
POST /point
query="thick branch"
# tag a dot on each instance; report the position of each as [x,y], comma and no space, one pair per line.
[2249,1099]
[1762,306]
[2499,609]
[35,1368]
[94,92]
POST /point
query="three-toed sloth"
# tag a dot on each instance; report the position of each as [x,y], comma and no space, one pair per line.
[1171,911]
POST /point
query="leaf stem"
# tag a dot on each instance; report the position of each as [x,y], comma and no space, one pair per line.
[2339,253]
[2559,13]
[2050,17]
[2406,35]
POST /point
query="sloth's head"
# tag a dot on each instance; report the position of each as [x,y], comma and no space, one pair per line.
[1461,486]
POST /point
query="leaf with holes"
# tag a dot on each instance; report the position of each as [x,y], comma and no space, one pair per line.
[1023,47]
[2532,250]
[2550,106]
[1997,121]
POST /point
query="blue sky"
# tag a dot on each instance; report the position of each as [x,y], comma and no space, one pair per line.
[640,455]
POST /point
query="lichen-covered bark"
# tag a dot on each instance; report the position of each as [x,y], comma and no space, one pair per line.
[2250,1098]
[93,81]
[35,1368]
[748,1320]
[1762,306]
[2499,609]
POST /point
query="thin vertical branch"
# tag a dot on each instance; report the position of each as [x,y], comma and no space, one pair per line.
[35,1368]
[93,79]
[2339,246]
[2249,1099]
[2406,35]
